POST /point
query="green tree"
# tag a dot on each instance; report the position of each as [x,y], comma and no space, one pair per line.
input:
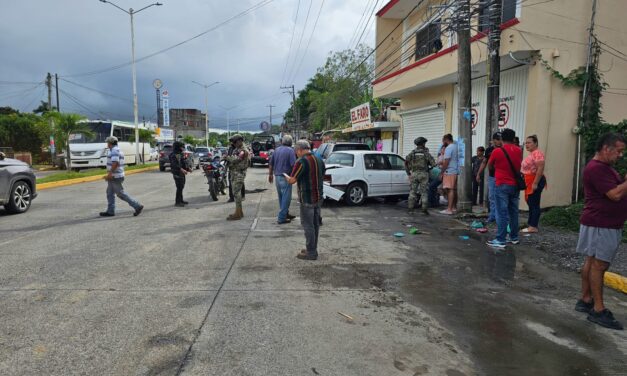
[43,108]
[23,132]
[66,124]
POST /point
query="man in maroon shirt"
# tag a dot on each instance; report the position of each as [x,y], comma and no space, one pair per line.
[601,223]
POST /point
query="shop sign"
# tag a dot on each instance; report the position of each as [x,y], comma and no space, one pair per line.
[357,128]
[360,114]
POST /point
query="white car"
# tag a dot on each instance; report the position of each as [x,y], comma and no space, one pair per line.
[154,154]
[363,174]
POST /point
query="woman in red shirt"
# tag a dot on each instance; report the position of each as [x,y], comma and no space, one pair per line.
[533,169]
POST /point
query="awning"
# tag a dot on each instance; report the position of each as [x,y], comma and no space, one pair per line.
[390,126]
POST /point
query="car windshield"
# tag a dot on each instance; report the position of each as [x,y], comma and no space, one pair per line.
[202,150]
[340,147]
[167,148]
[342,159]
[100,131]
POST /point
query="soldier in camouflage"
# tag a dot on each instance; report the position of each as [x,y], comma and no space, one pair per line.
[417,164]
[237,163]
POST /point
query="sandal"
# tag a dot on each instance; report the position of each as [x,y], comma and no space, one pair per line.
[527,231]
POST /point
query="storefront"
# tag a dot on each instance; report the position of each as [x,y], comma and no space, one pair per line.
[382,133]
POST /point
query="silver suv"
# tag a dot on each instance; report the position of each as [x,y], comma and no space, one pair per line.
[17,185]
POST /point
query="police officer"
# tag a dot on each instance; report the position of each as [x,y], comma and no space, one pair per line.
[417,164]
[179,166]
[238,164]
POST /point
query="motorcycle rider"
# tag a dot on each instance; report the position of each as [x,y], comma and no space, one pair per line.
[238,164]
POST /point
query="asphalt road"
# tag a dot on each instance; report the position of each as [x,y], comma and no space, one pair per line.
[181,291]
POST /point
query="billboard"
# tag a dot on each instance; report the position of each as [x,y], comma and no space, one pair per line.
[165,100]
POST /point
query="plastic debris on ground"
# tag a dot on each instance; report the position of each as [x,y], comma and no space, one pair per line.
[413,231]
[399,234]
[482,230]
[464,237]
[476,224]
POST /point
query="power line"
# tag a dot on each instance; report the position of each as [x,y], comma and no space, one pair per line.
[223,23]
[363,14]
[309,41]
[374,8]
[289,51]
[129,100]
[300,41]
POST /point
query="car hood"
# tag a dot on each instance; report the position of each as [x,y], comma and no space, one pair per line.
[12,162]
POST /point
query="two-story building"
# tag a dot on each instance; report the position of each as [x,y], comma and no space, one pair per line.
[416,61]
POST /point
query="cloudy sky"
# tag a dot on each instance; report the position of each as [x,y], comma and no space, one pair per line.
[82,40]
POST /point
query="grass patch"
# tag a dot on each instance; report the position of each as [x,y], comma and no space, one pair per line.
[567,218]
[92,172]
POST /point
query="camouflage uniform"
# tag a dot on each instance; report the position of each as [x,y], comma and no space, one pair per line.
[238,164]
[417,163]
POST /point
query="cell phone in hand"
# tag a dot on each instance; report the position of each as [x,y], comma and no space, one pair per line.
[286,175]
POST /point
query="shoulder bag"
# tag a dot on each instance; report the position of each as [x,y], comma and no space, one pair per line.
[520,180]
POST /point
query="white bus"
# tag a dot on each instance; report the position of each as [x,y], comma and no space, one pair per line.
[89,152]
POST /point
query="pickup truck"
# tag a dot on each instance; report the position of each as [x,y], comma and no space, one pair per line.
[262,150]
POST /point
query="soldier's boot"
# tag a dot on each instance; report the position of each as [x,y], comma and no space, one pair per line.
[237,215]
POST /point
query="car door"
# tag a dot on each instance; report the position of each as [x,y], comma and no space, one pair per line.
[377,174]
[399,181]
[5,180]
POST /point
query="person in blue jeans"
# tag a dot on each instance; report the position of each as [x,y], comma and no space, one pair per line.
[507,191]
[496,143]
[281,162]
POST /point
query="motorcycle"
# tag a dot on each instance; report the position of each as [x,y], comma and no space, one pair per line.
[215,172]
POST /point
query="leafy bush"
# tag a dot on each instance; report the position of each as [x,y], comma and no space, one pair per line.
[567,218]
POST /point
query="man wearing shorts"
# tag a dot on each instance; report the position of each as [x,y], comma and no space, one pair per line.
[601,223]
[450,170]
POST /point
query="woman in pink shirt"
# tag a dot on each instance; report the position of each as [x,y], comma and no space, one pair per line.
[533,169]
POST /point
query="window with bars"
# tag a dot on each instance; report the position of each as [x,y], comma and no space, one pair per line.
[428,39]
[508,12]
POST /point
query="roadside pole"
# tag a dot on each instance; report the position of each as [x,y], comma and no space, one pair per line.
[494,70]
[51,145]
[464,188]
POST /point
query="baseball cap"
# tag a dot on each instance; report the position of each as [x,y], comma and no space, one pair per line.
[497,136]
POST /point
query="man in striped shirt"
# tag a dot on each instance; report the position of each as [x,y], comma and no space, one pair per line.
[115,178]
[308,172]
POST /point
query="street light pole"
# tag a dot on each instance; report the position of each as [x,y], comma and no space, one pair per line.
[206,108]
[132,12]
[228,119]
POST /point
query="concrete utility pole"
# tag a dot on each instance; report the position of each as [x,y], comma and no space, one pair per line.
[206,109]
[50,121]
[295,114]
[56,87]
[270,106]
[494,70]
[464,189]
[228,119]
[131,12]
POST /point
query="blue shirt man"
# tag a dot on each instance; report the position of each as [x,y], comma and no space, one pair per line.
[281,162]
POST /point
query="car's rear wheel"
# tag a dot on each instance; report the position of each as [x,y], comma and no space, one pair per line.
[355,194]
[21,196]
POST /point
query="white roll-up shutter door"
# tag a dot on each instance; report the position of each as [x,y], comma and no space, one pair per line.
[426,122]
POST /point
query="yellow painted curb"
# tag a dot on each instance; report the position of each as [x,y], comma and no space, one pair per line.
[63,183]
[616,281]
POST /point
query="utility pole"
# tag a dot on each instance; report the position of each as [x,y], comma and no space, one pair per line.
[494,70]
[56,86]
[295,114]
[50,122]
[464,190]
[584,98]
[206,108]
[270,106]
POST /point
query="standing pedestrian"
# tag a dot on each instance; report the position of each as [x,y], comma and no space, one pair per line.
[477,184]
[308,172]
[229,177]
[533,169]
[115,178]
[282,162]
[506,161]
[450,170]
[179,166]
[496,143]
[417,165]
[238,164]
[601,223]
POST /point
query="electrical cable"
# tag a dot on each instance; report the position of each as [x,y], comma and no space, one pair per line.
[361,19]
[128,100]
[374,8]
[289,51]
[300,41]
[223,23]
[309,41]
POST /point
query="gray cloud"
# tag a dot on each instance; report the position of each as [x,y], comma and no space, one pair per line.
[247,55]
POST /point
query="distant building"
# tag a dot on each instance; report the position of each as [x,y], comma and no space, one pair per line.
[187,121]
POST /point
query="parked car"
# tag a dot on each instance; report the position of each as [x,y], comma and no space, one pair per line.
[327,148]
[17,185]
[362,174]
[203,154]
[188,152]
[262,149]
[154,155]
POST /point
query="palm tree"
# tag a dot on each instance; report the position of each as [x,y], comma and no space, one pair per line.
[65,125]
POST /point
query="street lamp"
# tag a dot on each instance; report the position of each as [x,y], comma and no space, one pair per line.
[131,12]
[206,108]
[228,124]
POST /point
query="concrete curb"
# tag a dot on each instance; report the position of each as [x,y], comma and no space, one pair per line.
[87,179]
[616,281]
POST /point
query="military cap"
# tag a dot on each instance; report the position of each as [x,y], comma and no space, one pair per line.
[420,141]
